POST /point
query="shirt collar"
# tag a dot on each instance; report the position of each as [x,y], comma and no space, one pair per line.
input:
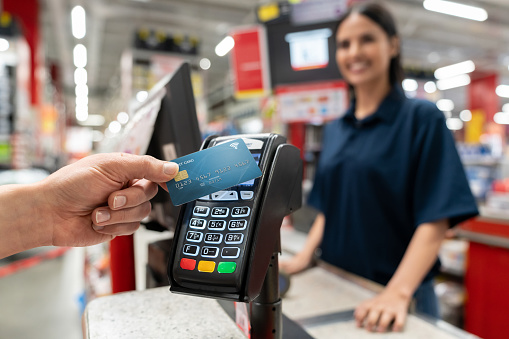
[387,110]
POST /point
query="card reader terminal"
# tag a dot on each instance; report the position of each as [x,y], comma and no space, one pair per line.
[223,239]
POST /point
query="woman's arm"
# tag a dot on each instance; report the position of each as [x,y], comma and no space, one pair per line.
[303,259]
[392,303]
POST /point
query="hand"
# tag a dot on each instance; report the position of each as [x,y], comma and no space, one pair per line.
[378,313]
[100,197]
[296,264]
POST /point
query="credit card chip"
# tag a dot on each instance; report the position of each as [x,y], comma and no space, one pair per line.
[181,175]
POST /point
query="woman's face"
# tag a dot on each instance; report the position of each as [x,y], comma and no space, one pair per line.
[364,50]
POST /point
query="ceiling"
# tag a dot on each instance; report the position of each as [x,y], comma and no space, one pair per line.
[430,40]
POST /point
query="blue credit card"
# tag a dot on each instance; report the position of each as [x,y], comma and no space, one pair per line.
[211,170]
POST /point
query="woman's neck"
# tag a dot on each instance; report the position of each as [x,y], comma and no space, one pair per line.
[369,97]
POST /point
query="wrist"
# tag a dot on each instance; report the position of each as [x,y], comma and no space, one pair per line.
[33,216]
[401,290]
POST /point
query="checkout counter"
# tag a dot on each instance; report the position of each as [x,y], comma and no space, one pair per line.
[321,300]
[487,273]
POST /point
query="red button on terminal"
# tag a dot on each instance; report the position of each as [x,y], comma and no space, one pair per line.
[187,264]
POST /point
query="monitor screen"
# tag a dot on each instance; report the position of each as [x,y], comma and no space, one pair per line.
[170,109]
[299,54]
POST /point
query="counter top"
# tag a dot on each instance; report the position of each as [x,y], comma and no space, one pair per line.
[320,299]
[157,313]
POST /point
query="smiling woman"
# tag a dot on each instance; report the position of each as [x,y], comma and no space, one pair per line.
[389,182]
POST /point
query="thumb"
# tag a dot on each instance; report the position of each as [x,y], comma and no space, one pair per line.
[129,166]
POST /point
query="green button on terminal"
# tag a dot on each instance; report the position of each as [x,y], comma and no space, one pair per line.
[226,267]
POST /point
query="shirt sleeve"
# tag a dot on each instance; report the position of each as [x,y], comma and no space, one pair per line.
[441,188]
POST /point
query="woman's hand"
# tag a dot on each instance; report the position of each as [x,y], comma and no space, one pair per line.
[378,313]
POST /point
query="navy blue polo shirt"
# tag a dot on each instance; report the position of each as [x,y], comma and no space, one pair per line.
[379,178]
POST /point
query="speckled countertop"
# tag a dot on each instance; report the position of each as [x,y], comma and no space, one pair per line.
[157,313]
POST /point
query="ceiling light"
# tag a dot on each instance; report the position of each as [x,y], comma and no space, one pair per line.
[454,124]
[205,63]
[225,46]
[81,91]
[123,118]
[410,85]
[80,76]
[114,127]
[80,56]
[82,113]
[78,22]
[466,115]
[4,45]
[430,87]
[454,70]
[456,9]
[141,96]
[457,81]
[501,118]
[445,105]
[82,100]
[502,91]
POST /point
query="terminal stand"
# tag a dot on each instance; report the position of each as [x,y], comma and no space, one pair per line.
[266,309]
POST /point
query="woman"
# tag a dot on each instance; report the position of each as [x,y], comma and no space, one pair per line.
[389,182]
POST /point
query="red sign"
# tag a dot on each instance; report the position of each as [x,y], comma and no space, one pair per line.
[249,62]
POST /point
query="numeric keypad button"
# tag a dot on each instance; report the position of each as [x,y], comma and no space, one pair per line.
[209,252]
[197,223]
[233,238]
[220,212]
[201,211]
[217,225]
[213,238]
[240,211]
[237,225]
[194,236]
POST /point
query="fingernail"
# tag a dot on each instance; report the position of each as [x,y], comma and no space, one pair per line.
[98,228]
[119,201]
[102,216]
[170,168]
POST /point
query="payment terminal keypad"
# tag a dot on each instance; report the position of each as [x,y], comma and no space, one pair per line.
[216,231]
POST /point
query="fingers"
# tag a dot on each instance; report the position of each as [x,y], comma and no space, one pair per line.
[140,192]
[110,221]
[399,322]
[123,167]
[118,229]
[360,314]
[385,320]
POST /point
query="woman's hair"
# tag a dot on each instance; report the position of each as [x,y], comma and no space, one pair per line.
[383,18]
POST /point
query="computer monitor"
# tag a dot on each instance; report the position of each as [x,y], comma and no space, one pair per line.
[165,126]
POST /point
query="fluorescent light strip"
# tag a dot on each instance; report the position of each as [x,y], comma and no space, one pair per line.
[80,56]
[78,22]
[457,81]
[454,70]
[456,9]
[225,46]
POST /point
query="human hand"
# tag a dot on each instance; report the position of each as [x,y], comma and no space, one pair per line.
[378,313]
[296,264]
[101,196]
